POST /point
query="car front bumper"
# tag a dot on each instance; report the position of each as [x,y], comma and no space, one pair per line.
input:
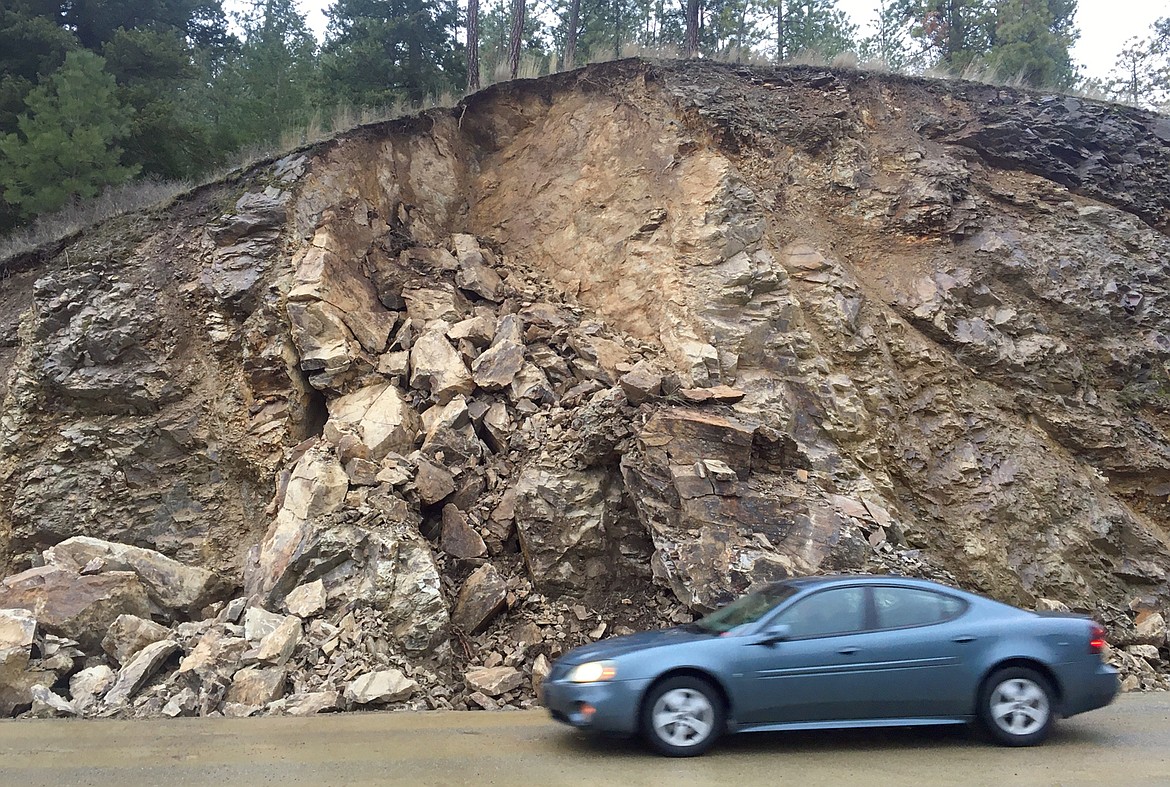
[614,704]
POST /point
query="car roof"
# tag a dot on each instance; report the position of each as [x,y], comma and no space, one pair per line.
[868,579]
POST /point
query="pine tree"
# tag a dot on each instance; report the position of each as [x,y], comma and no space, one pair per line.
[380,51]
[66,144]
[952,34]
[811,27]
[170,134]
[889,41]
[1141,74]
[1032,42]
[269,83]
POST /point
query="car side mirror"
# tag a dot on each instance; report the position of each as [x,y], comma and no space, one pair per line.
[773,634]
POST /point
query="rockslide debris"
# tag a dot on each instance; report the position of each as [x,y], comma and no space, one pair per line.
[398,419]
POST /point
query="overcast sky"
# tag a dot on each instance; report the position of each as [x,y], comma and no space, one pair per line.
[1105,25]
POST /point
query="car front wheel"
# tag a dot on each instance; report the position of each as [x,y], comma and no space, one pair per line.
[1016,707]
[682,717]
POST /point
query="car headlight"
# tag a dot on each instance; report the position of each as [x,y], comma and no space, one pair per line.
[593,672]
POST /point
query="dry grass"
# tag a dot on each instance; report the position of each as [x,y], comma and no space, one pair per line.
[80,215]
[147,193]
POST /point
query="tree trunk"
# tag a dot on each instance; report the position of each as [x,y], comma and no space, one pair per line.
[781,32]
[472,46]
[692,28]
[571,38]
[739,32]
[617,29]
[517,36]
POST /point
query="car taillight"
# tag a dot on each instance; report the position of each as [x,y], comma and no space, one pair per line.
[1096,639]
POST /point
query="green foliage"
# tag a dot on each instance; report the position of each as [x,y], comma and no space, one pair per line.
[95,22]
[267,87]
[1032,42]
[805,27]
[29,46]
[66,143]
[380,51]
[889,42]
[169,136]
[951,34]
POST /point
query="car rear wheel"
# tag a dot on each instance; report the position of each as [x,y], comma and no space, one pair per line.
[1016,707]
[682,717]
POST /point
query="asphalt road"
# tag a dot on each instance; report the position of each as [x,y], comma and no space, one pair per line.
[1125,744]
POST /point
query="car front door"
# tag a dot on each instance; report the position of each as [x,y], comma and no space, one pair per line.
[810,675]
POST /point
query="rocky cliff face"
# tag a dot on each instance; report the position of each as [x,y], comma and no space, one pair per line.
[592,352]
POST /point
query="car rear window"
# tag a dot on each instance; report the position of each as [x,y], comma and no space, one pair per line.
[902,607]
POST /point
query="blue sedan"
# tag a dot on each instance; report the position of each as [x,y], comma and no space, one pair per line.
[833,652]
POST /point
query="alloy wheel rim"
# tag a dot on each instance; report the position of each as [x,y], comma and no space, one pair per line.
[1019,706]
[683,717]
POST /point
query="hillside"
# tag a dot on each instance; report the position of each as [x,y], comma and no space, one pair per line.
[587,353]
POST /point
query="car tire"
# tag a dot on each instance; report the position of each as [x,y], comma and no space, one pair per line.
[683,716]
[1017,707]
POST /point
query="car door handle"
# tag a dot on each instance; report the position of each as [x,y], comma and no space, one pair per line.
[964,639]
[847,651]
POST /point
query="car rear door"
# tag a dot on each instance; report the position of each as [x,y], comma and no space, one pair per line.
[810,676]
[919,657]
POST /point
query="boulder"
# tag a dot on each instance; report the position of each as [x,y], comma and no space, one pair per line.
[306,600]
[139,670]
[277,647]
[478,330]
[474,276]
[483,596]
[438,367]
[169,584]
[498,366]
[379,687]
[561,518]
[79,607]
[324,342]
[130,634]
[18,627]
[317,487]
[459,538]
[494,681]
[429,305]
[47,705]
[642,383]
[381,418]
[450,433]
[90,685]
[1150,629]
[17,630]
[433,482]
[184,703]
[216,655]
[307,703]
[259,623]
[540,671]
[257,687]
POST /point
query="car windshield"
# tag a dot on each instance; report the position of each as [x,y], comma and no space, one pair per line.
[746,609]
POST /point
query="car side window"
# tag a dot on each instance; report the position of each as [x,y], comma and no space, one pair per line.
[903,607]
[825,614]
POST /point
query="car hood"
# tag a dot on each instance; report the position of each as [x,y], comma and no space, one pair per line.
[616,646]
